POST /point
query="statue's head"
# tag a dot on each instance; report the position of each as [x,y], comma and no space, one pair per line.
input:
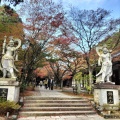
[11,42]
[105,50]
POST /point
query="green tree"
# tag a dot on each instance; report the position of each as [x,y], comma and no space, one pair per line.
[78,79]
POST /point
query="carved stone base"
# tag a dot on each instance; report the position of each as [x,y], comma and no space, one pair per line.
[106,94]
[9,89]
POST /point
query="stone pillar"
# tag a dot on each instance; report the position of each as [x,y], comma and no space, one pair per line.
[106,94]
[9,89]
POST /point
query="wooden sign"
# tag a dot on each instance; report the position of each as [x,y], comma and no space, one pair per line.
[110,99]
[3,94]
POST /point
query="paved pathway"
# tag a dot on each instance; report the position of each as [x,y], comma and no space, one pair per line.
[41,91]
[51,93]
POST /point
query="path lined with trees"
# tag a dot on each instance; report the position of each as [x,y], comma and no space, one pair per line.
[63,43]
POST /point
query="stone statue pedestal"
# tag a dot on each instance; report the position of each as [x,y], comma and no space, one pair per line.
[106,95]
[9,89]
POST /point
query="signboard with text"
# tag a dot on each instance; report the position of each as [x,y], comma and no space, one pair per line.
[3,94]
[110,99]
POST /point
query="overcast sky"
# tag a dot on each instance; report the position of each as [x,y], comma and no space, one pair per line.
[111,5]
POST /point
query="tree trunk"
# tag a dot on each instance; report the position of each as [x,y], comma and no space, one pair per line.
[90,77]
[78,86]
[61,85]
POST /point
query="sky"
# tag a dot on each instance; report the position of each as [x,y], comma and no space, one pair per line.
[110,5]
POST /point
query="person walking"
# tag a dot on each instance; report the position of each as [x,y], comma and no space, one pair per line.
[37,80]
[51,83]
[46,83]
[41,83]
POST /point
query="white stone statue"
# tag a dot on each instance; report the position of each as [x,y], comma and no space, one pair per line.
[105,62]
[9,56]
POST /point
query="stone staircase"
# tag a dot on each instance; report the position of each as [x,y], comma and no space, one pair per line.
[51,106]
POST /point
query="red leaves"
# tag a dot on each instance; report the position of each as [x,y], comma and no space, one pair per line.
[40,18]
[64,41]
[59,16]
[41,72]
[67,77]
[56,23]
[30,27]
[57,20]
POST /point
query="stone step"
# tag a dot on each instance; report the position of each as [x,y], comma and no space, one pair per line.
[56,108]
[54,113]
[56,104]
[55,101]
[51,98]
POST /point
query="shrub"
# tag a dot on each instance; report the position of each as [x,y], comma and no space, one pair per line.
[8,106]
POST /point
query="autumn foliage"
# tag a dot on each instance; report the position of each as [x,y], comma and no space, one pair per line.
[10,23]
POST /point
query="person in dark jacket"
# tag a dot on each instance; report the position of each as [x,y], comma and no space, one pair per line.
[51,83]
[37,80]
